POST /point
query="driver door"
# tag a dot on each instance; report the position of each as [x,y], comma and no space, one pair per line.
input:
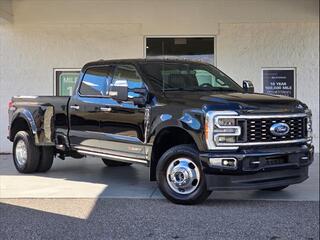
[124,123]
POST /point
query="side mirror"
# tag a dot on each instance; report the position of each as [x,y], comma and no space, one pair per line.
[119,90]
[248,86]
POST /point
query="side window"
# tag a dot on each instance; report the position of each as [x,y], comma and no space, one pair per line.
[96,81]
[130,74]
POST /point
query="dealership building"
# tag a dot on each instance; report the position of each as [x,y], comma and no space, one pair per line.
[44,43]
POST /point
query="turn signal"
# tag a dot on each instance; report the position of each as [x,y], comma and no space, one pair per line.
[206,130]
[10,104]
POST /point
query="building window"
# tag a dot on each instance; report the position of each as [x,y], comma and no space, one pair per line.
[188,48]
[65,81]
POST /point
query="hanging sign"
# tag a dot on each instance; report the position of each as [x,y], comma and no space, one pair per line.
[279,81]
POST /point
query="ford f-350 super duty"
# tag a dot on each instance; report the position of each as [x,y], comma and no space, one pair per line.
[195,128]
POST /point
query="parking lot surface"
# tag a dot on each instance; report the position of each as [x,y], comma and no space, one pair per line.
[90,178]
[83,199]
[159,219]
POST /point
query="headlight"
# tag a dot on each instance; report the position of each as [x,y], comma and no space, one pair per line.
[309,126]
[227,122]
[221,130]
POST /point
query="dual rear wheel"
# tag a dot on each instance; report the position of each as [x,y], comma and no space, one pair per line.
[29,158]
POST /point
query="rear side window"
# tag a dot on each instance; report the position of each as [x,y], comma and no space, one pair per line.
[96,81]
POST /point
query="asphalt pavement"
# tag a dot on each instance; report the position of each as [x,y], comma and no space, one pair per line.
[159,219]
[83,199]
[90,178]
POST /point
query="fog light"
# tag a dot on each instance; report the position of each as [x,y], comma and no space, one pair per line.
[228,162]
[224,162]
[226,139]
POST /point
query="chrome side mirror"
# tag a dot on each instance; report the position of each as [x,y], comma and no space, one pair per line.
[248,86]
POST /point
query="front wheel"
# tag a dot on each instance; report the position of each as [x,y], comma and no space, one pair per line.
[180,177]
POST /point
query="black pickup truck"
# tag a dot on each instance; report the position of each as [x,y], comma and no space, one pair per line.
[192,125]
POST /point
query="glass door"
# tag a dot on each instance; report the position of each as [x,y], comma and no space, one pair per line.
[188,48]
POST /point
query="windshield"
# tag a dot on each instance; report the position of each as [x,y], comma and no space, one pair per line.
[187,77]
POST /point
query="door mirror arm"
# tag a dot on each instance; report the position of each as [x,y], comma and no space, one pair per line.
[139,101]
[142,97]
[142,91]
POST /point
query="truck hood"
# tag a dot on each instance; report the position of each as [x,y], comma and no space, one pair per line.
[237,101]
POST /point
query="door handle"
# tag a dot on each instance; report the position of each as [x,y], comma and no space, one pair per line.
[75,107]
[105,109]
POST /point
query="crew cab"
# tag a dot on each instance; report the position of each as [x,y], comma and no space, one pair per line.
[195,128]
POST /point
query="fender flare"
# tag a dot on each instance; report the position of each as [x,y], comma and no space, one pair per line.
[41,130]
[27,116]
[186,122]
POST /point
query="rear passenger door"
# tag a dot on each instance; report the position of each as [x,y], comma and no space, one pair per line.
[86,109]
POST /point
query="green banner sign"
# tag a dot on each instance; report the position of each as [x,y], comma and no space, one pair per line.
[65,81]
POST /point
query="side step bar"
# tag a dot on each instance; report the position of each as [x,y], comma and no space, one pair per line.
[113,157]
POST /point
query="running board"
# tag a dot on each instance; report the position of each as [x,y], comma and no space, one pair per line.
[113,157]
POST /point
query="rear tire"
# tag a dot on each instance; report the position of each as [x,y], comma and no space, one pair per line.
[275,189]
[180,176]
[111,163]
[26,155]
[46,159]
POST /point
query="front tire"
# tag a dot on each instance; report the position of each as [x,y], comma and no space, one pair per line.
[26,155]
[180,177]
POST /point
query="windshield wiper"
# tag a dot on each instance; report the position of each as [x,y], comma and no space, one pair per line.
[202,89]
[179,89]
[216,89]
[222,89]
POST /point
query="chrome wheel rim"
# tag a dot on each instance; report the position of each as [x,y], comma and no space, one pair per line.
[183,176]
[21,153]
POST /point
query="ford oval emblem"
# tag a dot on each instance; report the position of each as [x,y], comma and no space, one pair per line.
[279,129]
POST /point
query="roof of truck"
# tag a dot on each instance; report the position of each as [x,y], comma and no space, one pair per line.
[136,60]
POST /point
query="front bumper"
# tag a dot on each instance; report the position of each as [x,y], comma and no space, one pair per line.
[276,167]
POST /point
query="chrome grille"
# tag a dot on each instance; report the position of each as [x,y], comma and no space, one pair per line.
[258,130]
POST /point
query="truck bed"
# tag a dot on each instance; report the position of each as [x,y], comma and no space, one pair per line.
[48,114]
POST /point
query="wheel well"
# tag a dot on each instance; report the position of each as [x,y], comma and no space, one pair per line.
[165,140]
[19,124]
